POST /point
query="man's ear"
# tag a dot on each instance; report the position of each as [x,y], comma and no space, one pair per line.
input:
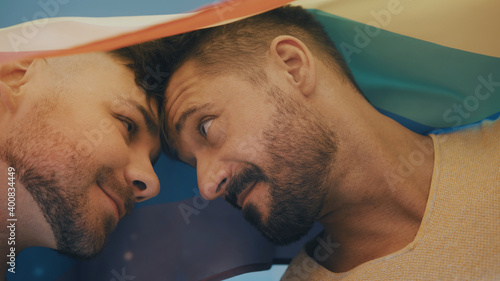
[295,57]
[11,79]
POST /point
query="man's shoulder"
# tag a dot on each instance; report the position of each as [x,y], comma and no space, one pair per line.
[490,130]
[475,139]
[468,157]
[484,128]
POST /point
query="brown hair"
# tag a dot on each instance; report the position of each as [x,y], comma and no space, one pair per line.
[242,45]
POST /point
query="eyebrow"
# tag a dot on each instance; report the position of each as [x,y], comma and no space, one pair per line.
[179,125]
[150,121]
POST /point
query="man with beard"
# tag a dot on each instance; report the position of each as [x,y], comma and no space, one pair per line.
[270,116]
[80,135]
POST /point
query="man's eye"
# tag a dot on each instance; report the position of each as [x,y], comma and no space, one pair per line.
[129,125]
[204,126]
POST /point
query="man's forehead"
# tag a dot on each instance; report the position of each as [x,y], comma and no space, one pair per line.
[106,77]
[98,71]
[82,61]
[180,88]
[180,80]
[178,100]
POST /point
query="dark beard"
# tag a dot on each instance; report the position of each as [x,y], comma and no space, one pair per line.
[245,178]
[299,155]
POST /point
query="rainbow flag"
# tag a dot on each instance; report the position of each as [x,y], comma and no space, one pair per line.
[430,65]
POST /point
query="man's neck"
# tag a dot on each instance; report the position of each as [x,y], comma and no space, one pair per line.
[378,197]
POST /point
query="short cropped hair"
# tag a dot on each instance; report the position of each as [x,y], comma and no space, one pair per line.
[146,60]
[241,46]
[149,63]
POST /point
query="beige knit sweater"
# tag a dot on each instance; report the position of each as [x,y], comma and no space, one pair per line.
[459,238]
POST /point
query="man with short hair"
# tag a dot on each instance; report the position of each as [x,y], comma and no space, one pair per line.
[268,113]
[80,136]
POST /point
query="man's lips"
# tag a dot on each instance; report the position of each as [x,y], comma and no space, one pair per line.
[244,193]
[118,202]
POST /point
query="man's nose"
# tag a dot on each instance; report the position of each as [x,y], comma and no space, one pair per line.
[212,178]
[141,176]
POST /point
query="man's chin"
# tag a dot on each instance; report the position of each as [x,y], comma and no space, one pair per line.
[85,250]
[85,244]
[275,229]
[282,239]
[81,256]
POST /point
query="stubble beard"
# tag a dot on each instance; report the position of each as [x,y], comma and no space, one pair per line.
[299,156]
[58,178]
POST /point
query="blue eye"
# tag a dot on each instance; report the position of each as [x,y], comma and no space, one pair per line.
[204,126]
